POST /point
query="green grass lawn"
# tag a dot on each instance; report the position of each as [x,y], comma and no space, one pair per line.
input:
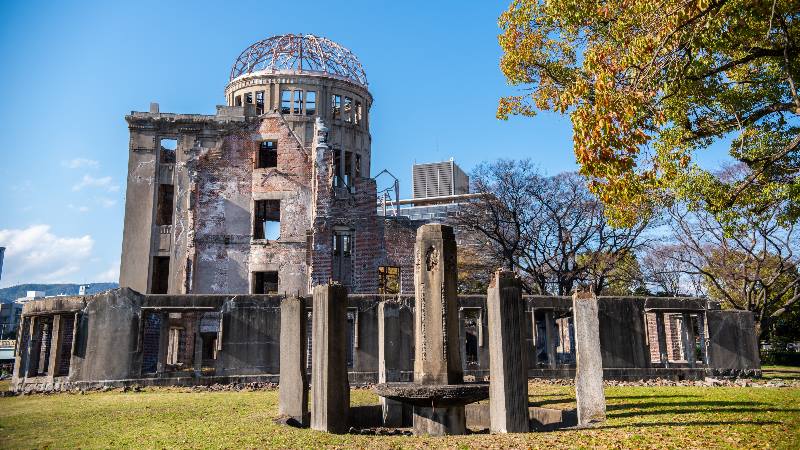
[657,417]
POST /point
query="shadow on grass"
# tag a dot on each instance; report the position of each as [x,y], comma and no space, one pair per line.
[677,411]
[706,403]
[692,423]
[654,397]
[552,401]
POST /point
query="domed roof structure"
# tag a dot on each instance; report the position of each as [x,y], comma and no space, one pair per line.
[299,54]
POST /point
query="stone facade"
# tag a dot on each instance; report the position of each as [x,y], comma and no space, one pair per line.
[292,147]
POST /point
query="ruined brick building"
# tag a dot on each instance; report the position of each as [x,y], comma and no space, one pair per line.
[270,195]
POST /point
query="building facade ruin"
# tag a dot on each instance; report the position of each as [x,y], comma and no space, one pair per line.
[271,194]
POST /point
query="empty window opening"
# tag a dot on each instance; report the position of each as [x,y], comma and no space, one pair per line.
[348,168]
[160,280]
[472,335]
[265,282]
[388,280]
[260,102]
[267,154]
[40,350]
[342,256]
[165,204]
[358,112]
[267,220]
[311,103]
[248,97]
[167,150]
[151,335]
[286,102]
[238,101]
[358,166]
[176,341]
[66,328]
[297,105]
[554,337]
[348,109]
[336,106]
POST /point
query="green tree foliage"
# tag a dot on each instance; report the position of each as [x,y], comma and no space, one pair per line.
[647,84]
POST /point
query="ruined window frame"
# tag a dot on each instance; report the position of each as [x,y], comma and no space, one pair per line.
[167,154]
[358,110]
[237,101]
[348,109]
[248,98]
[297,102]
[286,101]
[260,282]
[389,279]
[336,106]
[260,96]
[267,157]
[264,212]
[311,103]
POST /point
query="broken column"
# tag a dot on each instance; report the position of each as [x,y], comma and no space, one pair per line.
[437,358]
[293,389]
[389,354]
[508,386]
[589,371]
[330,390]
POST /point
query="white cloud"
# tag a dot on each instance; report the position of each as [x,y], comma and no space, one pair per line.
[103,183]
[35,255]
[82,209]
[78,163]
[110,275]
[106,202]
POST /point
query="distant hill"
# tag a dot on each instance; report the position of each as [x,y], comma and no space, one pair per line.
[12,293]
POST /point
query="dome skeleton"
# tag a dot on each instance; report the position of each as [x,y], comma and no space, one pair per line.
[299,53]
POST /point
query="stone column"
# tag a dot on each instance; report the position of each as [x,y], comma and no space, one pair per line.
[437,356]
[293,389]
[55,347]
[589,371]
[508,381]
[330,390]
[662,339]
[389,354]
[687,336]
[437,359]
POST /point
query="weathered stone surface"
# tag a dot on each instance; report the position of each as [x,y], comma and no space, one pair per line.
[589,372]
[434,394]
[293,401]
[389,352]
[507,360]
[330,390]
[439,421]
[437,357]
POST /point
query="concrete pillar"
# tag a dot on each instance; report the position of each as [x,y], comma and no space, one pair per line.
[550,332]
[389,354]
[293,389]
[55,346]
[508,381]
[701,326]
[330,390]
[589,371]
[437,356]
[197,358]
[687,335]
[163,343]
[662,339]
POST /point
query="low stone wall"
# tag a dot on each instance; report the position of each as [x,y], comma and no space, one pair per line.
[121,338]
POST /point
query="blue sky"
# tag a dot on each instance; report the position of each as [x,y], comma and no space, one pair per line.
[72,70]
